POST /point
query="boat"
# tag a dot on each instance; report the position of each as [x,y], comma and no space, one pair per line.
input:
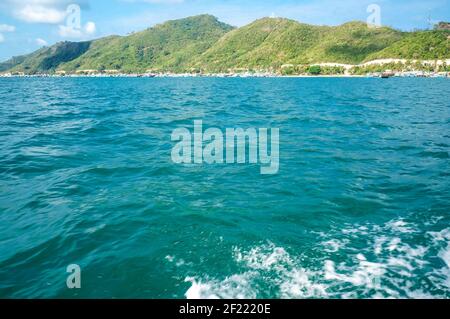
[387,74]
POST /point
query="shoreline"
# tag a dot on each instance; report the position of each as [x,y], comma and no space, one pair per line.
[397,75]
[385,68]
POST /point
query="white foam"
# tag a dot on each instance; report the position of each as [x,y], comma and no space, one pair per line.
[400,226]
[263,257]
[233,287]
[445,255]
[95,229]
[401,263]
[170,258]
[298,284]
[178,261]
[393,244]
[198,290]
[379,243]
[333,245]
[367,273]
[389,266]
[441,236]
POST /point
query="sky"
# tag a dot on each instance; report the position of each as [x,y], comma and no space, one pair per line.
[27,25]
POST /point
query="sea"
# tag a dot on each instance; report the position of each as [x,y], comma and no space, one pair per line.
[359,208]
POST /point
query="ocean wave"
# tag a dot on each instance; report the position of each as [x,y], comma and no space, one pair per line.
[357,261]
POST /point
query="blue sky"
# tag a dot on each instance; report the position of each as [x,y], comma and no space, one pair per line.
[27,25]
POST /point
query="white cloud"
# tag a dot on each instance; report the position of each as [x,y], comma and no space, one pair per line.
[39,11]
[156,1]
[41,42]
[90,28]
[7,28]
[40,14]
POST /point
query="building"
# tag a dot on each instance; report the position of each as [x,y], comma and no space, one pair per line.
[443,26]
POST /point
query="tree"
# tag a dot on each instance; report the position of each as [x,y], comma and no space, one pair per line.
[314,70]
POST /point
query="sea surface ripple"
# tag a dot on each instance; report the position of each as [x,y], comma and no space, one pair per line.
[359,209]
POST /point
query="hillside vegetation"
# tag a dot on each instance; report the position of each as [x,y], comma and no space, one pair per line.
[204,44]
[168,46]
[424,45]
[271,43]
[47,58]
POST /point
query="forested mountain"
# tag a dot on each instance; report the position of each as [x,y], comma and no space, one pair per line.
[203,43]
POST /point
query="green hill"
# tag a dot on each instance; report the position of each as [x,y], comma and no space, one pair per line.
[168,46]
[352,43]
[203,43]
[14,61]
[48,58]
[270,43]
[262,44]
[424,45]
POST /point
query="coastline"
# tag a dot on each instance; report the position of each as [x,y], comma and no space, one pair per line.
[187,75]
[384,68]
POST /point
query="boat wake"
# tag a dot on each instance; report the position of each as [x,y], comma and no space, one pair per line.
[362,261]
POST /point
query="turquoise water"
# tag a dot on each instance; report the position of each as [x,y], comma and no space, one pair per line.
[360,207]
